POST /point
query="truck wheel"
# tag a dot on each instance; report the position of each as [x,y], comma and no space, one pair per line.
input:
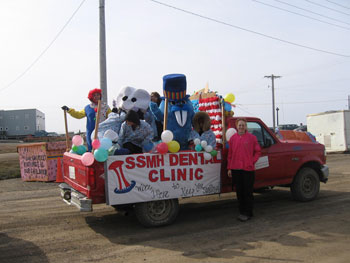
[157,213]
[306,185]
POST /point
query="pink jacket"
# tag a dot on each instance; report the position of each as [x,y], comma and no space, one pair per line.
[244,151]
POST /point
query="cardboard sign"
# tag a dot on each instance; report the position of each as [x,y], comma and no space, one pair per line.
[262,162]
[149,177]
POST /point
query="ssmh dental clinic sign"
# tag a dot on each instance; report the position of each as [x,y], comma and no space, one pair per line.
[149,177]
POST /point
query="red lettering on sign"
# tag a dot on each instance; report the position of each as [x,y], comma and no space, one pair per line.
[181,174]
[197,173]
[183,159]
[150,176]
[173,159]
[173,175]
[140,161]
[193,159]
[129,163]
[162,176]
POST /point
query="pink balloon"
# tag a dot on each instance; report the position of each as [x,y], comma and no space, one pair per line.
[162,148]
[77,140]
[87,158]
[96,144]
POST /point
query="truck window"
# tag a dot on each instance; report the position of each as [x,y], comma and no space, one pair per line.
[260,133]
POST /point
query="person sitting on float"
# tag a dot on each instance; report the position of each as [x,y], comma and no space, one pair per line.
[134,134]
[201,129]
[90,113]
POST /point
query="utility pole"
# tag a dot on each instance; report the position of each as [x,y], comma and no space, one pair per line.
[103,71]
[348,102]
[277,109]
[273,77]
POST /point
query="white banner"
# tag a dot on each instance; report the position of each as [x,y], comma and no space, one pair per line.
[148,177]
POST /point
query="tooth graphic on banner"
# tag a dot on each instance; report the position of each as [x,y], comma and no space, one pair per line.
[117,167]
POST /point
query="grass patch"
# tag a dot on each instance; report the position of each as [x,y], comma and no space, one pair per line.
[9,169]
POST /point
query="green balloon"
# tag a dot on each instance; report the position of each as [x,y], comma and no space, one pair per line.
[75,148]
[213,153]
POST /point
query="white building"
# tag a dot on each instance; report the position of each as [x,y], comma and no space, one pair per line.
[21,122]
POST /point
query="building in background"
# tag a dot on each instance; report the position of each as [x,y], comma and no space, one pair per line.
[21,122]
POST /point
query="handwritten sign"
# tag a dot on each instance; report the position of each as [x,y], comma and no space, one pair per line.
[33,163]
[149,177]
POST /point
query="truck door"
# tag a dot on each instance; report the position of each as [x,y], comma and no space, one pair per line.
[270,168]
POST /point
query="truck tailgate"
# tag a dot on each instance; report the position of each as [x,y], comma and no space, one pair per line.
[87,180]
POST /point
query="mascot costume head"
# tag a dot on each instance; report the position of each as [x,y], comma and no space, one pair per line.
[180,109]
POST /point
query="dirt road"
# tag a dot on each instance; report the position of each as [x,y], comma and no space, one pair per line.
[36,226]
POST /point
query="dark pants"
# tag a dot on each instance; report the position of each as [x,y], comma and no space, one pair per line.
[132,147]
[244,182]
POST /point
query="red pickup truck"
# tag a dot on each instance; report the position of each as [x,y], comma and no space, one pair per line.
[151,184]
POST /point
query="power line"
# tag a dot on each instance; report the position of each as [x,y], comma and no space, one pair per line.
[289,11]
[251,31]
[44,51]
[335,10]
[295,102]
[338,4]
[306,10]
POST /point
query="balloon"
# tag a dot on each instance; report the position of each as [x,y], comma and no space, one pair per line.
[204,144]
[198,148]
[173,146]
[148,147]
[81,149]
[226,145]
[229,98]
[112,135]
[229,133]
[208,148]
[162,148]
[105,143]
[96,144]
[207,156]
[213,153]
[167,136]
[75,148]
[227,106]
[77,140]
[196,141]
[101,155]
[87,159]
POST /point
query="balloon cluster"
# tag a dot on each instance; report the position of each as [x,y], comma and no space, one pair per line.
[78,146]
[229,99]
[167,144]
[209,152]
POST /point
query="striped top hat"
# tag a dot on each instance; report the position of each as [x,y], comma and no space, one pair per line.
[174,87]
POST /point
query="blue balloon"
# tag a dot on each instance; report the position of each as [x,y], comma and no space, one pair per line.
[148,147]
[227,146]
[198,148]
[81,149]
[101,155]
[227,106]
[106,143]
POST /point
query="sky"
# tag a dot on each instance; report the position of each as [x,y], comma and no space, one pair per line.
[49,58]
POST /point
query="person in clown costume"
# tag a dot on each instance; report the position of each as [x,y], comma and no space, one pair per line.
[90,113]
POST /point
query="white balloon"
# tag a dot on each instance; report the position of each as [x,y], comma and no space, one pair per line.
[204,144]
[112,135]
[208,148]
[229,133]
[207,156]
[196,141]
[167,136]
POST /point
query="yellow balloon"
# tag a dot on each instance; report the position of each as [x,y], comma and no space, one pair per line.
[229,98]
[173,146]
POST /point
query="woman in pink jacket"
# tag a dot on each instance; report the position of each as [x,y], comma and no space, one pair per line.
[243,153]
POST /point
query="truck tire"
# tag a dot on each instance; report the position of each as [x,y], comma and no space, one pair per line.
[157,213]
[306,185]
